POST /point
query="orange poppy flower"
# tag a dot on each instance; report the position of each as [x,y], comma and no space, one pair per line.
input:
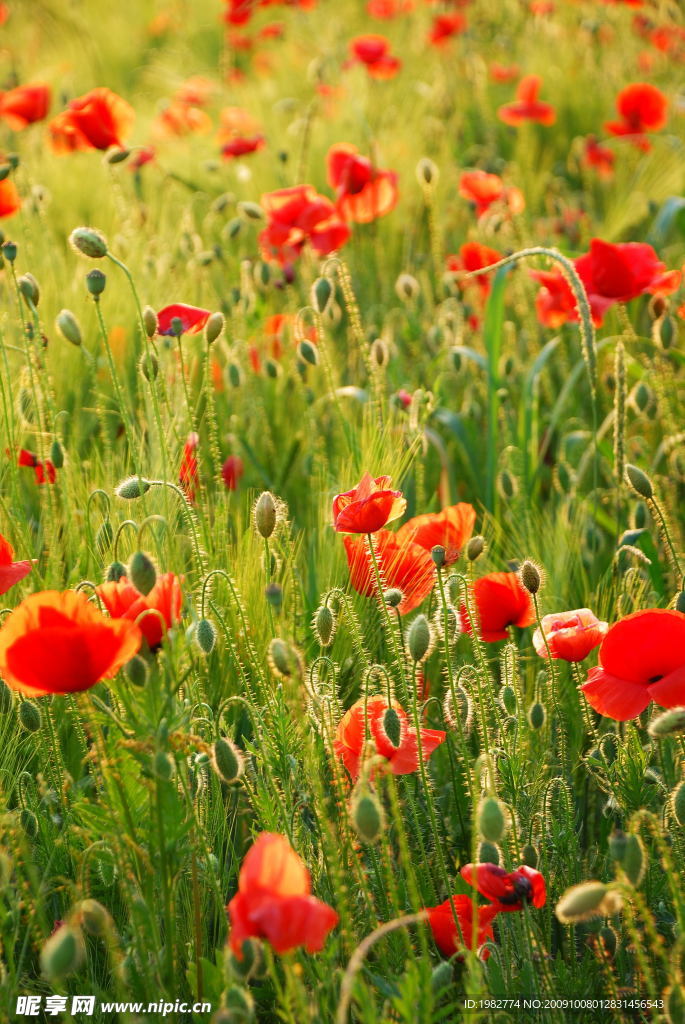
[450,528]
[274,900]
[57,642]
[498,601]
[97,120]
[368,507]
[11,572]
[163,605]
[527,106]
[9,198]
[449,938]
[364,192]
[403,565]
[484,189]
[24,105]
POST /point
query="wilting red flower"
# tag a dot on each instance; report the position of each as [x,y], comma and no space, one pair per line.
[449,938]
[97,120]
[187,474]
[642,658]
[507,890]
[366,716]
[242,145]
[444,27]
[24,105]
[162,605]
[368,507]
[451,528]
[232,471]
[527,106]
[9,198]
[11,572]
[274,900]
[373,52]
[403,565]
[56,642]
[363,192]
[297,216]
[599,157]
[192,319]
[484,189]
[43,468]
[570,635]
[642,108]
[474,256]
[498,601]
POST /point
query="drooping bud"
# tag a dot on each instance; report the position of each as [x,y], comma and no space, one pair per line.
[609,940]
[321,294]
[9,251]
[93,917]
[324,625]
[393,597]
[668,723]
[420,638]
[89,242]
[28,286]
[205,636]
[427,172]
[283,659]
[634,860]
[391,725]
[150,321]
[6,698]
[265,515]
[136,671]
[586,901]
[227,760]
[142,572]
[678,804]
[366,815]
[308,352]
[29,716]
[441,977]
[214,327]
[530,855]
[507,696]
[251,211]
[536,715]
[488,852]
[380,353]
[640,482]
[132,487]
[492,819]
[149,366]
[475,548]
[63,953]
[57,454]
[114,572]
[68,326]
[407,288]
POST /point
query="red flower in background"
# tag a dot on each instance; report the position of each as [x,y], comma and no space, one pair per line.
[232,472]
[274,900]
[498,601]
[373,51]
[363,192]
[507,890]
[367,716]
[187,474]
[450,938]
[384,10]
[43,468]
[9,198]
[56,642]
[527,106]
[298,216]
[599,157]
[163,605]
[452,528]
[368,507]
[444,27]
[570,635]
[642,108]
[504,72]
[474,256]
[403,565]
[192,319]
[25,105]
[484,189]
[11,572]
[642,658]
[179,119]
[241,145]
[97,120]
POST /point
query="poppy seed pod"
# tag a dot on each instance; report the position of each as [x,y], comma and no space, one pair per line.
[366,814]
[9,251]
[227,760]
[640,482]
[214,327]
[95,283]
[475,548]
[438,554]
[492,819]
[63,953]
[132,487]
[586,901]
[88,242]
[68,326]
[150,321]
[142,572]
[530,575]
[420,638]
[265,514]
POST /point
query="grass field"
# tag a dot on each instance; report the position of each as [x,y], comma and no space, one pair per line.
[342,655]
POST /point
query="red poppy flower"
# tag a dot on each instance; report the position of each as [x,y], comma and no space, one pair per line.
[192,319]
[24,105]
[570,635]
[449,938]
[504,72]
[274,900]
[56,642]
[297,216]
[599,157]
[363,192]
[498,601]
[368,507]
[11,572]
[366,717]
[484,189]
[384,10]
[242,145]
[642,658]
[239,12]
[179,119]
[450,528]
[474,256]
[403,565]
[162,605]
[619,273]
[43,468]
[373,52]
[9,198]
[187,475]
[444,27]
[508,890]
[642,108]
[527,106]
[97,120]
[232,471]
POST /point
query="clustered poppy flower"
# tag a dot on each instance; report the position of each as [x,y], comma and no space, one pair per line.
[274,900]
[570,635]
[527,106]
[368,507]
[366,717]
[191,319]
[57,642]
[155,612]
[373,51]
[641,108]
[363,192]
[498,600]
[641,659]
[11,572]
[483,190]
[25,105]
[97,120]
[402,564]
[451,529]
[296,217]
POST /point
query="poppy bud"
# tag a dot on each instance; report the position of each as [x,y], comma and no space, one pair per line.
[238,1008]
[29,822]
[607,936]
[308,352]
[492,819]
[668,723]
[667,331]
[6,698]
[507,696]
[205,636]
[530,855]
[232,229]
[62,953]
[587,900]
[28,286]
[93,917]
[392,726]
[380,353]
[150,321]
[680,602]
[530,576]
[214,327]
[283,659]
[251,211]
[367,816]
[227,760]
[29,716]
[234,375]
[265,514]
[643,396]
[272,368]
[420,638]
[163,766]
[325,625]
[68,326]
[57,454]
[475,548]
[5,171]
[438,554]
[407,288]
[132,487]
[427,172]
[393,597]
[95,283]
[536,715]
[617,844]
[506,484]
[321,294]
[640,482]
[678,804]
[248,965]
[142,572]
[634,860]
[488,853]
[441,977]
[457,709]
[89,242]
[136,670]
[9,251]
[149,366]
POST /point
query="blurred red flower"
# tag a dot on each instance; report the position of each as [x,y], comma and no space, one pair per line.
[367,716]
[97,120]
[9,198]
[367,507]
[444,27]
[242,145]
[484,189]
[162,605]
[298,216]
[641,108]
[474,256]
[507,890]
[274,900]
[43,468]
[527,106]
[403,565]
[56,642]
[25,105]
[450,938]
[570,635]
[599,157]
[192,319]
[642,658]
[187,474]
[384,10]
[451,528]
[498,601]
[232,472]
[363,192]
[504,72]
[11,572]
[373,52]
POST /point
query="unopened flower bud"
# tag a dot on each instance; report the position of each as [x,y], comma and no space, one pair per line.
[132,487]
[607,936]
[407,287]
[93,917]
[273,593]
[227,760]
[321,294]
[441,977]
[488,852]
[6,698]
[391,724]
[63,953]
[536,715]
[142,572]
[251,211]
[475,548]
[393,597]
[586,901]
[9,251]
[366,814]
[136,671]
[308,352]
[492,819]
[29,716]
[668,723]
[214,327]
[640,482]
[149,366]
[420,638]
[205,636]
[530,576]
[427,172]
[57,454]
[380,353]
[68,326]
[89,242]
[678,804]
[283,659]
[634,860]
[28,286]
[265,514]
[150,322]
[324,625]
[529,855]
